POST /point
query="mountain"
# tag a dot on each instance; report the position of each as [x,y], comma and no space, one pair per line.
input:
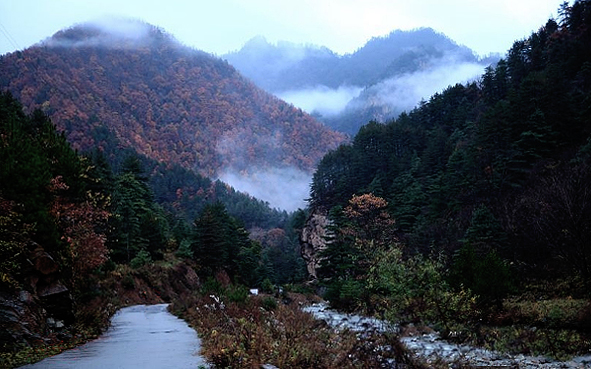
[493,174]
[284,66]
[134,83]
[386,76]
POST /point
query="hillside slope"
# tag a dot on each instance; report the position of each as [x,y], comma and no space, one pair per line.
[169,102]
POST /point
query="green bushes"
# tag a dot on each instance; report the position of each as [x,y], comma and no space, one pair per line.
[269,303]
[415,290]
[237,294]
[487,276]
[142,258]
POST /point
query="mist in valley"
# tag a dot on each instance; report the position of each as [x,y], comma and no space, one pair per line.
[321,100]
[283,188]
[404,92]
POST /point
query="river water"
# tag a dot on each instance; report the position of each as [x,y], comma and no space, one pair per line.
[141,336]
[433,349]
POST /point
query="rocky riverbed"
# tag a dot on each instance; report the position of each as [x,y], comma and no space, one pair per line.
[431,347]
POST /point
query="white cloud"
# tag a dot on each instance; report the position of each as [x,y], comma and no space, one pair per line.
[406,91]
[283,188]
[321,99]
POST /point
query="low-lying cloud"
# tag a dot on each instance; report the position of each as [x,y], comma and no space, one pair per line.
[403,93]
[392,95]
[108,31]
[282,188]
[321,99]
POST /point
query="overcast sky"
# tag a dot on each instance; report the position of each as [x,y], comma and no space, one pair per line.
[219,26]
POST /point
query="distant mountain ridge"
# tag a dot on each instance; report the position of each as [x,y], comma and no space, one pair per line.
[285,68]
[288,66]
[169,102]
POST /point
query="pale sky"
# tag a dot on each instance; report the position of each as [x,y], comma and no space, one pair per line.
[220,26]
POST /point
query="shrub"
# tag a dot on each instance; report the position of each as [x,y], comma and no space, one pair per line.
[212,286]
[416,290]
[184,251]
[237,294]
[128,282]
[267,286]
[487,276]
[269,303]
[142,258]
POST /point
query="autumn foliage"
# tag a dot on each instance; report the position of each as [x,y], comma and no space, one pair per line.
[169,102]
[79,223]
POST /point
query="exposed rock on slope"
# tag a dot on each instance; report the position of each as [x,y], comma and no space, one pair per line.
[313,240]
[27,317]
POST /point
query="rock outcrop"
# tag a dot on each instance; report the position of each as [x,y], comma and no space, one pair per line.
[46,312]
[43,307]
[313,240]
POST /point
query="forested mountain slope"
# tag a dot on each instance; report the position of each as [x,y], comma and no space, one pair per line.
[169,102]
[77,239]
[494,175]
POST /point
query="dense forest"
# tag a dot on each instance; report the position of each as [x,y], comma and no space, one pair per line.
[478,194]
[169,102]
[67,219]
[143,124]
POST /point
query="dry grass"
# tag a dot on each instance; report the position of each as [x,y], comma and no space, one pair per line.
[256,332]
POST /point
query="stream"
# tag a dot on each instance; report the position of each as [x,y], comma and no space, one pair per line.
[432,348]
[141,336]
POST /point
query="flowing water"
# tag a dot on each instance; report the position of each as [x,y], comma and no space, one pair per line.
[432,348]
[141,336]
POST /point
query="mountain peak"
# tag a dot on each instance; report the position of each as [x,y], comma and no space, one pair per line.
[110,32]
[257,41]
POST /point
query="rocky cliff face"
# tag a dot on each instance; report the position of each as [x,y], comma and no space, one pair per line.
[44,307]
[313,240]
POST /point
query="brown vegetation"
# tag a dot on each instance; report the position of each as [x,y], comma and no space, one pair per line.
[169,102]
[258,330]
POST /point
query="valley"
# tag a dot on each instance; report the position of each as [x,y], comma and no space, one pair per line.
[443,194]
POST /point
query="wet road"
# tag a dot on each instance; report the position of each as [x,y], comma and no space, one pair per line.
[141,336]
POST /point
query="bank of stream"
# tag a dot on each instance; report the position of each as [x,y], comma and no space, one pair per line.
[432,348]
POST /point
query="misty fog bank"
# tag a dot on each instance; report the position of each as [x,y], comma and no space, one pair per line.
[321,99]
[404,93]
[110,32]
[386,99]
[282,188]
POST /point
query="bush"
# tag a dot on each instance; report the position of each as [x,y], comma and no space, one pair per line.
[212,286]
[184,251]
[488,276]
[128,282]
[142,258]
[237,294]
[267,286]
[269,303]
[415,290]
